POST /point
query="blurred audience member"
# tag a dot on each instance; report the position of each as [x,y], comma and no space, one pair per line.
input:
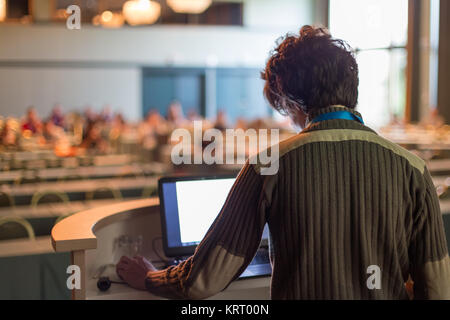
[241,123]
[57,117]
[221,121]
[32,123]
[118,126]
[90,115]
[106,115]
[153,129]
[154,121]
[193,115]
[175,116]
[52,132]
[8,136]
[93,138]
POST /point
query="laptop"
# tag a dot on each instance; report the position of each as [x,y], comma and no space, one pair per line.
[189,206]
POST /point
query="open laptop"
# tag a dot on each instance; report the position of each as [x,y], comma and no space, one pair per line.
[189,205]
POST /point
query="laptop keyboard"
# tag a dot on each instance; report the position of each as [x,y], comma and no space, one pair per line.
[259,266]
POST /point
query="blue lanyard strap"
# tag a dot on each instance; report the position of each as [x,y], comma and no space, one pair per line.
[346,115]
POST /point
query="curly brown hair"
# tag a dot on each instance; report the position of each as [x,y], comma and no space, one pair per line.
[309,71]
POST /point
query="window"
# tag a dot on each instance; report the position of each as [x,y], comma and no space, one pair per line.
[161,86]
[377,30]
[237,91]
[239,94]
[434,52]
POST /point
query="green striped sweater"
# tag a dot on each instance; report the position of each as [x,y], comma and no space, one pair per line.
[344,199]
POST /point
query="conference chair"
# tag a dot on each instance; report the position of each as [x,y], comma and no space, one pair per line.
[104,193]
[6,200]
[50,196]
[15,228]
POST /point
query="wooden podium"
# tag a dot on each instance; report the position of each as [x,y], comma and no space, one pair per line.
[90,237]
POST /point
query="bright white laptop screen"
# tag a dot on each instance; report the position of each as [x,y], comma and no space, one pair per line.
[199,202]
[189,206]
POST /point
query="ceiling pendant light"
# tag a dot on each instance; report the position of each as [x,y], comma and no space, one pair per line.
[139,12]
[189,6]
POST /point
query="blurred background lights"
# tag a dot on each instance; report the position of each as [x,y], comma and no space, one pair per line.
[189,6]
[141,12]
[2,10]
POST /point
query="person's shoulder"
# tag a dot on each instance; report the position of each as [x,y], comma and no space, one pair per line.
[285,147]
[266,161]
[413,159]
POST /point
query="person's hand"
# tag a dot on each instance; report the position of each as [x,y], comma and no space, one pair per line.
[134,271]
[145,263]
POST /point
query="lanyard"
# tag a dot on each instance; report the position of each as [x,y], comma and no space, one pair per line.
[346,115]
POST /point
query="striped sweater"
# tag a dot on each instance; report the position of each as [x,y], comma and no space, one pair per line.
[343,199]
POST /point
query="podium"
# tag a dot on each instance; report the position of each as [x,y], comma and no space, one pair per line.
[91,235]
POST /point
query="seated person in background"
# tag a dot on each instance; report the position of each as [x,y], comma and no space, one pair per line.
[56,137]
[90,115]
[175,117]
[93,139]
[57,117]
[149,129]
[106,115]
[193,115]
[241,123]
[8,136]
[351,215]
[52,133]
[117,126]
[32,123]
[155,121]
[221,121]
